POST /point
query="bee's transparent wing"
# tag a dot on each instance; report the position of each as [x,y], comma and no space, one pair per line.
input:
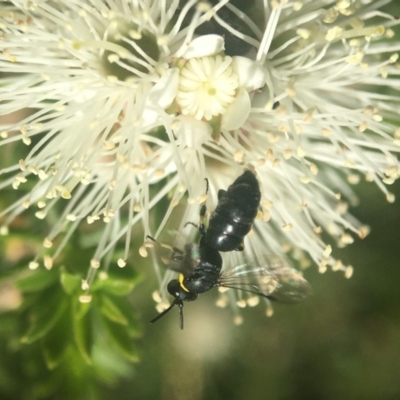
[183,261]
[273,279]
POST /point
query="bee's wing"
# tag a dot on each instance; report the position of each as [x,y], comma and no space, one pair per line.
[182,261]
[273,279]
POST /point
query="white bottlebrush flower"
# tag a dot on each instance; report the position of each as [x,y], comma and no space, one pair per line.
[120,96]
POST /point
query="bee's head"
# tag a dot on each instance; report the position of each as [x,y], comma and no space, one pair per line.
[176,289]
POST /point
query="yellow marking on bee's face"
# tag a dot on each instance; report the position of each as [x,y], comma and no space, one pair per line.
[180,279]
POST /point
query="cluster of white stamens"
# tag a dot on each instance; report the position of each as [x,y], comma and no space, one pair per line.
[207,86]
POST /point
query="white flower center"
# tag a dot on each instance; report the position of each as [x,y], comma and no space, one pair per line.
[207,85]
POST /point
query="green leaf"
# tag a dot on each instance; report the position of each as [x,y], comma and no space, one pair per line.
[115,287]
[48,309]
[109,363]
[80,309]
[37,280]
[120,311]
[118,281]
[110,309]
[121,339]
[55,343]
[126,309]
[82,326]
[70,282]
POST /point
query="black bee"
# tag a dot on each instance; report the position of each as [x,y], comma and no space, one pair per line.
[200,265]
[200,269]
[234,215]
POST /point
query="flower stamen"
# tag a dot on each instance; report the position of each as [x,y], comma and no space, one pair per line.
[207,86]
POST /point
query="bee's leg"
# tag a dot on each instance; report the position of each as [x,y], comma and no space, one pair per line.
[165,245]
[221,193]
[202,228]
[240,247]
[191,223]
[203,211]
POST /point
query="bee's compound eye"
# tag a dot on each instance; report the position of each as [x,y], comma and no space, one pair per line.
[173,288]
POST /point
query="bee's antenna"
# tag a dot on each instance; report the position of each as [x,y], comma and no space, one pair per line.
[180,304]
[174,303]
